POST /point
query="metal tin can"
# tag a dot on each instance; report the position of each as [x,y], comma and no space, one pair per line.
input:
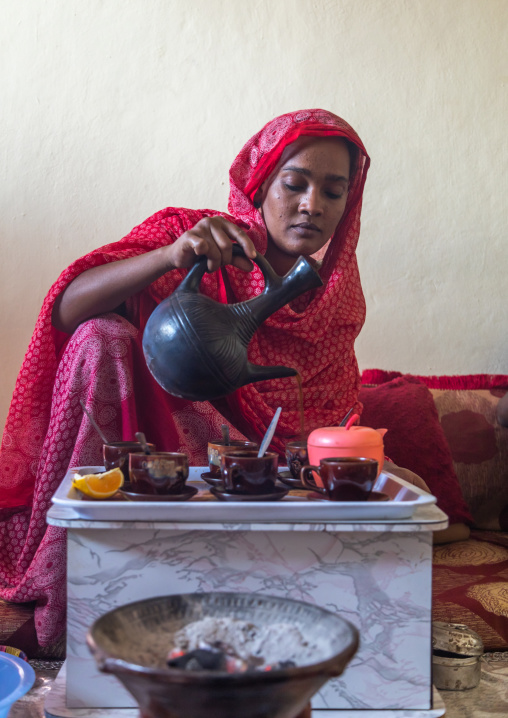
[456,655]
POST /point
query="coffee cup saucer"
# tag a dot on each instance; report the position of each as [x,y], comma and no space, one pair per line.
[374,496]
[187,493]
[277,493]
[211,479]
[287,478]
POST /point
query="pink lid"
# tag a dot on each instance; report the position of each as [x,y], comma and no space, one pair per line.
[339,436]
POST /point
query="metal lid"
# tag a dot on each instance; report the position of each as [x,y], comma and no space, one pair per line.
[456,638]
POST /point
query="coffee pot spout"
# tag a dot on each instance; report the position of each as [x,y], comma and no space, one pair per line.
[254,372]
[279,291]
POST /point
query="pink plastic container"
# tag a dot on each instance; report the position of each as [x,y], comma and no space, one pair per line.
[330,441]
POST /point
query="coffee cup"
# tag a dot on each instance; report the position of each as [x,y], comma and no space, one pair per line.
[161,472]
[296,457]
[347,478]
[117,453]
[218,447]
[244,472]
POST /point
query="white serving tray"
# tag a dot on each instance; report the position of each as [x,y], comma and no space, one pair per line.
[404,499]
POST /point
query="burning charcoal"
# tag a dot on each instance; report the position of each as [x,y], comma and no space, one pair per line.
[236,665]
[200,659]
[205,658]
[246,646]
[279,665]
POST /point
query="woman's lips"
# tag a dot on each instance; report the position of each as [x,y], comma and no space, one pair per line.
[306,228]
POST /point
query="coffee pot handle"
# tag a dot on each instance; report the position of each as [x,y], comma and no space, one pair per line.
[196,272]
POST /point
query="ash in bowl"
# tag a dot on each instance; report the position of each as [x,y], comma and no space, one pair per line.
[131,642]
[234,646]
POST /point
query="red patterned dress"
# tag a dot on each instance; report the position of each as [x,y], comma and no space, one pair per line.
[102,364]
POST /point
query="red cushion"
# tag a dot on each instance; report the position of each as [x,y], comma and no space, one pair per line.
[467,410]
[496,383]
[415,439]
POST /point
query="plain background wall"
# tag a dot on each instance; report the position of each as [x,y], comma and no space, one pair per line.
[114,109]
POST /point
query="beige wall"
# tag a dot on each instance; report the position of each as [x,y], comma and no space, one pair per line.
[113,109]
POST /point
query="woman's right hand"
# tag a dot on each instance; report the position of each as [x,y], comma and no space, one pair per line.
[213,238]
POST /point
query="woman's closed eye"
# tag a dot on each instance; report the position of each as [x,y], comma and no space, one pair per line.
[294,187]
[329,193]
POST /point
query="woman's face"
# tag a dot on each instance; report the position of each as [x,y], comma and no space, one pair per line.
[304,199]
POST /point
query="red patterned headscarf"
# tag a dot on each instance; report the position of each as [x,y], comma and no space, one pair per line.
[316,337]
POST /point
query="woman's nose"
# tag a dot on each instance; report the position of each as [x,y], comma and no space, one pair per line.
[311,203]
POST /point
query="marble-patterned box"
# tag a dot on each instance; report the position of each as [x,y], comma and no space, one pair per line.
[377,577]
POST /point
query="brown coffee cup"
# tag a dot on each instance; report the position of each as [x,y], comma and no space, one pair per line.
[245,473]
[348,478]
[218,447]
[161,472]
[296,457]
[117,453]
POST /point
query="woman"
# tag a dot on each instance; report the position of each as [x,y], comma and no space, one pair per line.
[295,188]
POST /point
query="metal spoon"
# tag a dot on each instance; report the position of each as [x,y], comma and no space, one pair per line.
[225,434]
[344,420]
[269,433]
[142,440]
[93,423]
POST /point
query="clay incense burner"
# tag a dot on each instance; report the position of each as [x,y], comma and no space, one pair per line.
[131,642]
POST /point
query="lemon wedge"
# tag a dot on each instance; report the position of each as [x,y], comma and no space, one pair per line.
[99,486]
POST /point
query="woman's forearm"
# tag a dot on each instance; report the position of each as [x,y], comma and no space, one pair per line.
[104,288]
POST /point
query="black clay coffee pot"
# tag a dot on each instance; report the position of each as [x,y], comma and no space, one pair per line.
[196,348]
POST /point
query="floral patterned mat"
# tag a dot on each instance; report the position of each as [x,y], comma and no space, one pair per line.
[470,586]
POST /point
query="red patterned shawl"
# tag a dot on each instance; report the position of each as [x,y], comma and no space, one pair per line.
[317,341]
